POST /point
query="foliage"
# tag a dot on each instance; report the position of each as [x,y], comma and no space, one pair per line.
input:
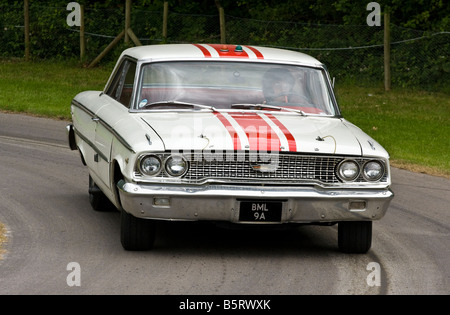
[334,31]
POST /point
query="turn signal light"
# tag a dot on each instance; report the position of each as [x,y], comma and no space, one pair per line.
[357,205]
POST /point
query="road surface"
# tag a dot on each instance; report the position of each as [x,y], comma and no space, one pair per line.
[58,245]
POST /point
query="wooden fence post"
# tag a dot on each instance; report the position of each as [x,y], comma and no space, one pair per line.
[133,37]
[223,37]
[165,17]
[127,19]
[27,29]
[107,49]
[127,33]
[82,38]
[387,52]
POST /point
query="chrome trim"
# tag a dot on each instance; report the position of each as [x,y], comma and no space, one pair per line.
[221,202]
[104,124]
[145,61]
[89,143]
[292,169]
[83,108]
[225,110]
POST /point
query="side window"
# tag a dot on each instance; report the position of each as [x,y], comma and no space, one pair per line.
[121,87]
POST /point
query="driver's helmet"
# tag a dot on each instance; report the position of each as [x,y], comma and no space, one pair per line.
[277,81]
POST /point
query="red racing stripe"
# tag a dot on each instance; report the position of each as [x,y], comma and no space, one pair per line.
[256,52]
[205,51]
[231,131]
[290,138]
[228,51]
[260,135]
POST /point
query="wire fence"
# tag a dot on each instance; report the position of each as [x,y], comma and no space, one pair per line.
[418,58]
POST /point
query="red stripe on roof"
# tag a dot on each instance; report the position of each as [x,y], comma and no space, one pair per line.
[229,51]
[256,52]
[290,138]
[205,51]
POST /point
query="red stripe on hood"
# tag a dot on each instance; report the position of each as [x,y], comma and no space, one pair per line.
[290,138]
[260,135]
[231,130]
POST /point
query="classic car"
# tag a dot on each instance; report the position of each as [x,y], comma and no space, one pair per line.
[227,133]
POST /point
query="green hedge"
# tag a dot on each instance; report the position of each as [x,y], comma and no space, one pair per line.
[351,52]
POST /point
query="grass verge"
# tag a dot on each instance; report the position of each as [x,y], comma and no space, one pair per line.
[46,88]
[3,239]
[413,125]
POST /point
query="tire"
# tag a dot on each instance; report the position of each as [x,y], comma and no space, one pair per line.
[97,199]
[136,234]
[355,237]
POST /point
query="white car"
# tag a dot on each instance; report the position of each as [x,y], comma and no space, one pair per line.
[238,134]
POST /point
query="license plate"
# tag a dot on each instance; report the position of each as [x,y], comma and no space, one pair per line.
[260,211]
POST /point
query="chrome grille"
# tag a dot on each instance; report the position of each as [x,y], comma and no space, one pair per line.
[236,168]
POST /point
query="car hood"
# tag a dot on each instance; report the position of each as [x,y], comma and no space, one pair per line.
[264,131]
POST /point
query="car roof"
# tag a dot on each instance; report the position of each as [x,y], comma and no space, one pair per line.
[217,51]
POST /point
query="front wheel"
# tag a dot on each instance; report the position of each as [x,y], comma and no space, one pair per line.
[136,234]
[355,237]
[97,198]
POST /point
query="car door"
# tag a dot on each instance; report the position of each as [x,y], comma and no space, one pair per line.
[117,101]
[84,108]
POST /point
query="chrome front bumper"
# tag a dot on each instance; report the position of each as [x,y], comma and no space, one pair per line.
[222,202]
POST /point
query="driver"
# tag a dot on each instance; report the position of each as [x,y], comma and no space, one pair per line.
[277,85]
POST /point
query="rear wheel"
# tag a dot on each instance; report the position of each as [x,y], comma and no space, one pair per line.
[355,237]
[135,233]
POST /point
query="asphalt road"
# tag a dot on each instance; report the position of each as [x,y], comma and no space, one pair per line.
[44,205]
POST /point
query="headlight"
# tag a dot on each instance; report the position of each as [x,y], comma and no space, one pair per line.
[373,170]
[150,165]
[348,170]
[176,165]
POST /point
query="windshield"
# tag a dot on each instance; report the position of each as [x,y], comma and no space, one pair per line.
[234,86]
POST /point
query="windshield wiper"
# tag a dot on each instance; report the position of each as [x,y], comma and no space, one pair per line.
[265,106]
[181,104]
